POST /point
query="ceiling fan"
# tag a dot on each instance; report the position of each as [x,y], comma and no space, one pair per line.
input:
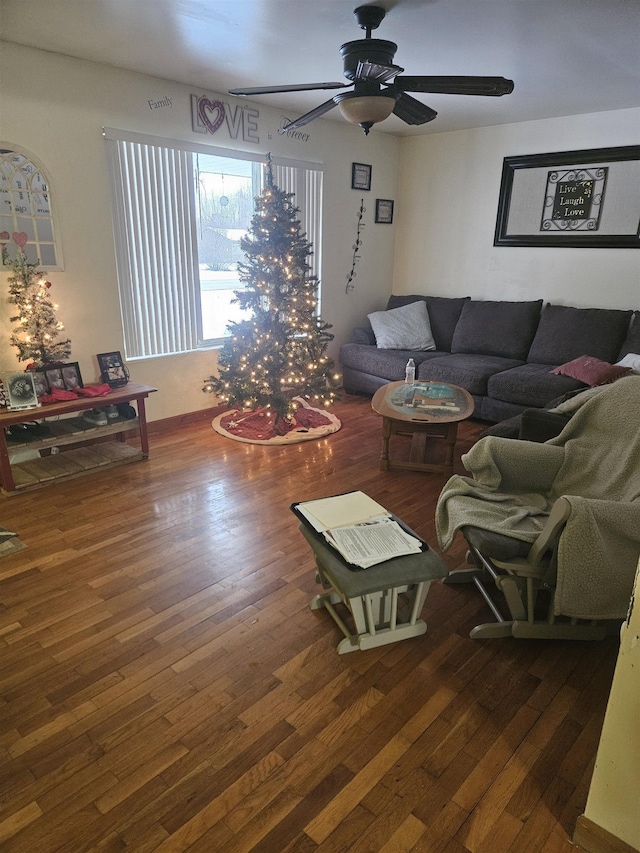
[376,89]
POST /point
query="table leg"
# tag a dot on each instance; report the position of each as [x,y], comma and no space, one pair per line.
[6,475]
[144,437]
[452,437]
[386,433]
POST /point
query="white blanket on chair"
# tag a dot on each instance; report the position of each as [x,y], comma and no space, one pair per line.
[595,462]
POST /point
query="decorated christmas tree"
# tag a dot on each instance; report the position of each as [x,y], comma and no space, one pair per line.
[37,327]
[279,352]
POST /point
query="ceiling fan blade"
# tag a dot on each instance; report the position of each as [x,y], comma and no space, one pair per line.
[300,87]
[412,111]
[456,85]
[366,70]
[310,116]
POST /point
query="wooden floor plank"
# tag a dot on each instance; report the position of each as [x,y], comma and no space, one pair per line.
[164,685]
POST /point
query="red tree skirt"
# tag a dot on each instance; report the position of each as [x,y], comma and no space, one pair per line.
[259,427]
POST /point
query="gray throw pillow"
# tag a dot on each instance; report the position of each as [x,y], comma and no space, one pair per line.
[404,328]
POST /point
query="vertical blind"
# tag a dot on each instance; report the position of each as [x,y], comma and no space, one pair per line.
[156,247]
[155,235]
[306,186]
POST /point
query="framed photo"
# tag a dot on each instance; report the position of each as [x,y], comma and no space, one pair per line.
[40,382]
[360,176]
[579,199]
[55,379]
[71,376]
[112,369]
[384,210]
[20,390]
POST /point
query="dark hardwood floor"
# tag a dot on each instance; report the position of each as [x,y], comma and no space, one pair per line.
[165,686]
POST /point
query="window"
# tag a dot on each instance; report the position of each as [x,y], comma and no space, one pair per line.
[225,192]
[179,212]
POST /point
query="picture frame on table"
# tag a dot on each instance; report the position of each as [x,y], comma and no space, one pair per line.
[113,370]
[360,176]
[576,199]
[55,379]
[71,376]
[384,211]
[40,383]
[20,390]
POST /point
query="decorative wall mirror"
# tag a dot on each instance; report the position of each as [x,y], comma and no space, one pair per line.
[26,208]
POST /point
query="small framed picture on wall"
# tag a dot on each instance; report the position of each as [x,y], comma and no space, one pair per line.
[384,211]
[360,176]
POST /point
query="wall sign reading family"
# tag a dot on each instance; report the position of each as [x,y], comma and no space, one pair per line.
[578,199]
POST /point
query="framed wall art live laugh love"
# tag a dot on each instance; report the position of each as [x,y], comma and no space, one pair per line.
[578,199]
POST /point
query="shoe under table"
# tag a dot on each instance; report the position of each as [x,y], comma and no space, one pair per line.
[384,601]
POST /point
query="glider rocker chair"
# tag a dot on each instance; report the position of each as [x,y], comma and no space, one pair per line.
[554,526]
[520,579]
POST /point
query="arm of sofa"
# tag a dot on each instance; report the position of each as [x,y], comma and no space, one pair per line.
[540,425]
[362,335]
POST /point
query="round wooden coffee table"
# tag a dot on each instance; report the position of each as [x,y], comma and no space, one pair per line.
[421,410]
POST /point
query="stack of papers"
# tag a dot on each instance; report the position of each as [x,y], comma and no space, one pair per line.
[360,529]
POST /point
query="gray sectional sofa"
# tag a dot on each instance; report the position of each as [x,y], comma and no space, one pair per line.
[501,352]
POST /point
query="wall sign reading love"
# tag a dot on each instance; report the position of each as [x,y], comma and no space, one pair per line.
[208,116]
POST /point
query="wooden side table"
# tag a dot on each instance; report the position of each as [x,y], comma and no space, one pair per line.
[67,431]
[403,414]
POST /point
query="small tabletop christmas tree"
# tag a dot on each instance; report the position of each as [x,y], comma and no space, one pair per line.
[280,351]
[37,329]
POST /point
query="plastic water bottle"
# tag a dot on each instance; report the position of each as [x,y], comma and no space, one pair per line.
[410,373]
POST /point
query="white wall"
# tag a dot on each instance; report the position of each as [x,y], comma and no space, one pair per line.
[54,107]
[446,218]
[614,795]
[445,187]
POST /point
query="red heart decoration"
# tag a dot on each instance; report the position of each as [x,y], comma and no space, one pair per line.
[4,235]
[205,104]
[20,238]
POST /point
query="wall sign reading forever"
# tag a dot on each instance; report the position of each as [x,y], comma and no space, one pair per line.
[208,116]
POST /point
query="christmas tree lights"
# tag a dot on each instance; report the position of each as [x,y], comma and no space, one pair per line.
[37,330]
[279,352]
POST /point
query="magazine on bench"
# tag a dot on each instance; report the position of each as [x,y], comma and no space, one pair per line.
[361,530]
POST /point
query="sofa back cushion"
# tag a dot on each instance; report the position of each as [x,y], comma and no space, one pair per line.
[631,343]
[505,329]
[444,313]
[565,333]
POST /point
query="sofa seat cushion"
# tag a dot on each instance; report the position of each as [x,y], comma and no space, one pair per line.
[565,333]
[497,328]
[387,364]
[444,313]
[470,372]
[530,385]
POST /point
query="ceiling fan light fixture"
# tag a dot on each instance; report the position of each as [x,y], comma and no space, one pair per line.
[365,110]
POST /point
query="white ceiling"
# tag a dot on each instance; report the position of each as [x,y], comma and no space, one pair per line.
[566,56]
